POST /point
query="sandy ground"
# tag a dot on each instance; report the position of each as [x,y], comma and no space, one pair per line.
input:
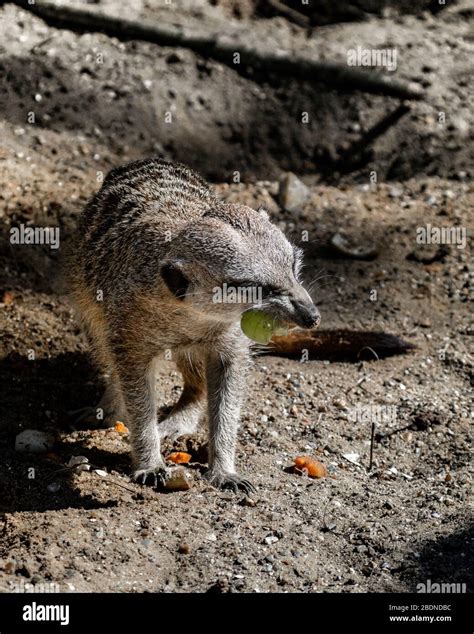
[405,521]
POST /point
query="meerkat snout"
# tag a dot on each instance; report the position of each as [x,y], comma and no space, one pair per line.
[306,315]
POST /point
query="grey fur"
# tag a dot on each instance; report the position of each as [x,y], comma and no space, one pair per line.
[151,247]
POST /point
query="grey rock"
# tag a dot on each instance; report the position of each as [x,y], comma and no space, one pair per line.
[33,441]
[292,193]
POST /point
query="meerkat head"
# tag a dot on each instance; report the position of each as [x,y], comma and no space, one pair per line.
[232,259]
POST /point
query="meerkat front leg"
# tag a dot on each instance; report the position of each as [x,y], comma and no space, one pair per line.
[226,374]
[137,381]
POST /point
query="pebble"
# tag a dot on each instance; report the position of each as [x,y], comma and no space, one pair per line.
[352,457]
[292,193]
[270,539]
[33,441]
[395,192]
[178,481]
[358,252]
[246,501]
[80,463]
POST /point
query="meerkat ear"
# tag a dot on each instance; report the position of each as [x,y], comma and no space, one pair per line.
[174,278]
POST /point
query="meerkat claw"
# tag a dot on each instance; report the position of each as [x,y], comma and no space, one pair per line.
[156,478]
[236,483]
[232,481]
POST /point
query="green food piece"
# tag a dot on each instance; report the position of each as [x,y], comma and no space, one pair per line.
[259,326]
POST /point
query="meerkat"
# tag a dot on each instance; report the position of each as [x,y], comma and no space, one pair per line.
[151,248]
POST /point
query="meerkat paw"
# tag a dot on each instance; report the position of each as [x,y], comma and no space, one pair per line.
[230,481]
[155,477]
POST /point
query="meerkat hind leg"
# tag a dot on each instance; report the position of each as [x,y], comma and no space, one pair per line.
[111,406]
[108,410]
[185,416]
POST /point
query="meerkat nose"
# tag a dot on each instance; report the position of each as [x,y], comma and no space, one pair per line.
[307,315]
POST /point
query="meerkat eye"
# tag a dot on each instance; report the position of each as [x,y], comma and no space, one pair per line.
[267,290]
[272,291]
[240,283]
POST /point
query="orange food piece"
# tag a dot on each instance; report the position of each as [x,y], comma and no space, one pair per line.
[311,467]
[179,457]
[7,298]
[121,428]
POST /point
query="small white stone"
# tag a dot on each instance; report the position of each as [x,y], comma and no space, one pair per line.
[352,457]
[80,463]
[271,539]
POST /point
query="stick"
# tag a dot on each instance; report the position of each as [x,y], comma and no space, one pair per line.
[372,440]
[289,13]
[346,160]
[224,50]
